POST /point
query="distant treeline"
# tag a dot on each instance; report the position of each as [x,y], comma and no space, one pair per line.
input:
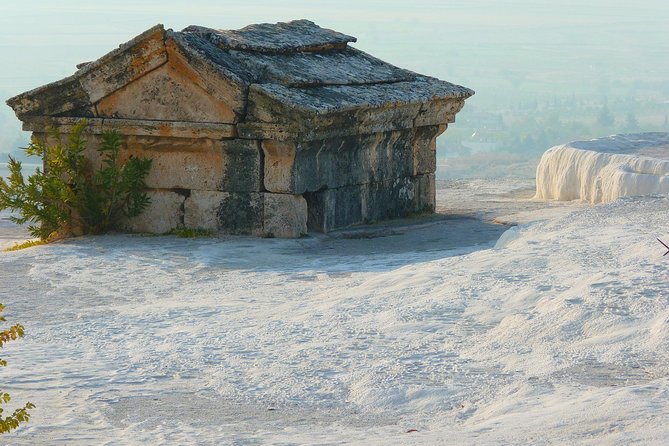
[532,126]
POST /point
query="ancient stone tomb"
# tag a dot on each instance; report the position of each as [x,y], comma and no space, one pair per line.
[272,130]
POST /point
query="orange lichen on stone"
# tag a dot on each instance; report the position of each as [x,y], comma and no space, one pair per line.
[164,130]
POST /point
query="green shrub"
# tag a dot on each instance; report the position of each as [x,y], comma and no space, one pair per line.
[67,197]
[21,414]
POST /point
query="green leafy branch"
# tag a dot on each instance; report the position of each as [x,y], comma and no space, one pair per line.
[21,414]
[67,196]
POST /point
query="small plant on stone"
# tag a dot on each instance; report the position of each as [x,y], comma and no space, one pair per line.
[21,414]
[68,196]
[183,232]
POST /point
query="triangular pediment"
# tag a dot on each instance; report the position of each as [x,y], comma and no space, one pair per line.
[167,93]
[155,76]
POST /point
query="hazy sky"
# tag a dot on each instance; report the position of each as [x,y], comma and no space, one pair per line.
[571,44]
[42,40]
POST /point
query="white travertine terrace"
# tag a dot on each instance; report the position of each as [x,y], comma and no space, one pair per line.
[604,169]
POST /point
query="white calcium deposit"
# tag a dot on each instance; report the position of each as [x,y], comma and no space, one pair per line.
[445,334]
[604,169]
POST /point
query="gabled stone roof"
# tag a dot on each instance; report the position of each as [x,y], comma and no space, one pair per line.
[343,66]
[298,35]
[261,72]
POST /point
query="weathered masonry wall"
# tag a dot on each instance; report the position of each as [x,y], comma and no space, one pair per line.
[356,178]
[266,187]
[212,183]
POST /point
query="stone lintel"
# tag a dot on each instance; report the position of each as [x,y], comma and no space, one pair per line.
[305,127]
[137,127]
[424,144]
[280,132]
[348,99]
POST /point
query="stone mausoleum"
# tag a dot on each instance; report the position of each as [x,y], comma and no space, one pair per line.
[271,130]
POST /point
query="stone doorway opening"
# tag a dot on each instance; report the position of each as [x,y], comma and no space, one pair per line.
[315,211]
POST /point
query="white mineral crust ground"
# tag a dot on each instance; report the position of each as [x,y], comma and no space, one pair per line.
[554,331]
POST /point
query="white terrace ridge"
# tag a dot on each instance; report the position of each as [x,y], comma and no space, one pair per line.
[604,169]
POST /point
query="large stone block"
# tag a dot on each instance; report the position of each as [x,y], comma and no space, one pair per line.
[166,212]
[284,215]
[335,208]
[228,212]
[279,165]
[341,207]
[424,145]
[426,200]
[262,214]
[199,164]
[241,213]
[201,168]
[201,209]
[298,167]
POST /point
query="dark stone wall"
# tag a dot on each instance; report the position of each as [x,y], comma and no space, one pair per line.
[331,209]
